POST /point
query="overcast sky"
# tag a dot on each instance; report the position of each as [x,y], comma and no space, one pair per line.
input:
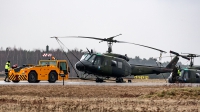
[163,24]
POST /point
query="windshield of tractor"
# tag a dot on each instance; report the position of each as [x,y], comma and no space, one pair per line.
[48,63]
[85,57]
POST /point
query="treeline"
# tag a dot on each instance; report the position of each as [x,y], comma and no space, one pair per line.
[20,57]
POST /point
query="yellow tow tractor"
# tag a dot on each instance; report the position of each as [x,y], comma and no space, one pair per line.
[47,70]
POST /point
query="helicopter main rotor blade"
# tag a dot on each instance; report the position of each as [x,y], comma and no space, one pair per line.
[185,57]
[191,55]
[110,40]
[174,53]
[84,37]
[114,36]
[142,46]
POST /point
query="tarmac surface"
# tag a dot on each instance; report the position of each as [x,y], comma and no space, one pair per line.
[99,84]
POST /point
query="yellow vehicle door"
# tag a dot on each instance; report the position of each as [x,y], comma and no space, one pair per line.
[64,68]
[43,74]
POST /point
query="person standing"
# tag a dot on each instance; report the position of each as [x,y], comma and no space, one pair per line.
[179,72]
[175,74]
[7,68]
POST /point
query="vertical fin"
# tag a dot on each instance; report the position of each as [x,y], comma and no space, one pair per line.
[173,63]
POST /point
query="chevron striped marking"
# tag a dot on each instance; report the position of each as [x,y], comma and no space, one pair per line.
[12,77]
[20,77]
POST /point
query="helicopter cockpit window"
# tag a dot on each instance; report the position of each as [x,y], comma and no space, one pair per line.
[105,63]
[197,75]
[113,63]
[119,64]
[182,72]
[85,57]
[185,74]
[91,59]
[98,60]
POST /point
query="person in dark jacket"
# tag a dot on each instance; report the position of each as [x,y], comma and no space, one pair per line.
[175,74]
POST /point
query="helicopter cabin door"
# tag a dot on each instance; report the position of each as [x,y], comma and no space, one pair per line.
[186,76]
[98,63]
[117,68]
[195,76]
[106,68]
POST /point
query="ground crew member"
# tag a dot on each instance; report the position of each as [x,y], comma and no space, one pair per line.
[175,74]
[7,68]
[179,72]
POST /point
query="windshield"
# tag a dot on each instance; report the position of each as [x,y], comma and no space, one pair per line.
[85,57]
[184,74]
[48,63]
[98,60]
[92,58]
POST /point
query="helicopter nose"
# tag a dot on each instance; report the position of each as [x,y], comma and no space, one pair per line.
[79,66]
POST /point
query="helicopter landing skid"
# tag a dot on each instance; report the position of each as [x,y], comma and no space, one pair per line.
[99,80]
[120,80]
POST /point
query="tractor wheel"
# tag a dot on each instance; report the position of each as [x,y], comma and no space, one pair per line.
[98,80]
[15,81]
[32,77]
[37,81]
[52,77]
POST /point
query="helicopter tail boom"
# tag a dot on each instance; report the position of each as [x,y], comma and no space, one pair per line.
[141,69]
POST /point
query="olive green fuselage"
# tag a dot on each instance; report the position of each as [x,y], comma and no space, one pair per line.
[108,66]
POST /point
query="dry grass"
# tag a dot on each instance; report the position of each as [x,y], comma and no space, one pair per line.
[99,98]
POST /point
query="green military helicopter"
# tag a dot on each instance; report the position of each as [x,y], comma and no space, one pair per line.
[107,65]
[190,74]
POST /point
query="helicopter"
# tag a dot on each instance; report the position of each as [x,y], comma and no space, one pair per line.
[189,74]
[107,65]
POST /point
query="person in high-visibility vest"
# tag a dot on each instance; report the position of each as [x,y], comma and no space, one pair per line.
[175,74]
[179,72]
[7,68]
